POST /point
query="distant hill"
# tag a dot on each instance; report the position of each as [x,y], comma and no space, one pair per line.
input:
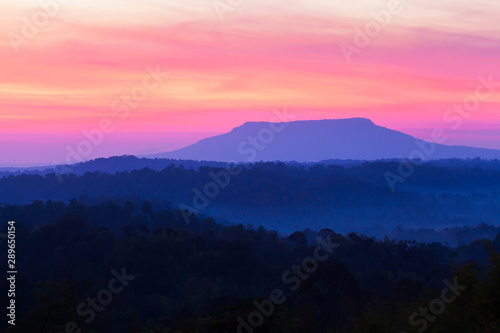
[109,165]
[314,141]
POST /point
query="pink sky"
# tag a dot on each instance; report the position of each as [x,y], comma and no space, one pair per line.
[65,78]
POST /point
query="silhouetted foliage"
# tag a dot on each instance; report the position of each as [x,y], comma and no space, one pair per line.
[203,276]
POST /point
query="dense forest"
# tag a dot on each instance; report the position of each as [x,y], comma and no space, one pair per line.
[354,198]
[169,276]
[263,247]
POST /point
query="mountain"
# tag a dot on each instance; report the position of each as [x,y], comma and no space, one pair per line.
[319,140]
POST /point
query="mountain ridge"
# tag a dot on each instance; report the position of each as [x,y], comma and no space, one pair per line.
[317,140]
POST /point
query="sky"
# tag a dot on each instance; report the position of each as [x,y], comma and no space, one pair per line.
[145,76]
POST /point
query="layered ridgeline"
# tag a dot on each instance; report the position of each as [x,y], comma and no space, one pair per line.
[319,140]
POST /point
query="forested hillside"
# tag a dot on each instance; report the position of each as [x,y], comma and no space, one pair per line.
[203,277]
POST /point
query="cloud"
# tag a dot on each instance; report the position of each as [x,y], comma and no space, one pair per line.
[265,55]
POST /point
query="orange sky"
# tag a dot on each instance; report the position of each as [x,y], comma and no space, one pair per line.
[71,72]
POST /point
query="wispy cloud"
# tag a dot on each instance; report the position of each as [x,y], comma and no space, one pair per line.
[224,73]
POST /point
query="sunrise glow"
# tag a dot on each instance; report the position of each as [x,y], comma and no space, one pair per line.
[236,64]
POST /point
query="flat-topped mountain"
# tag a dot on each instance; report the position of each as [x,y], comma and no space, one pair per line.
[318,140]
